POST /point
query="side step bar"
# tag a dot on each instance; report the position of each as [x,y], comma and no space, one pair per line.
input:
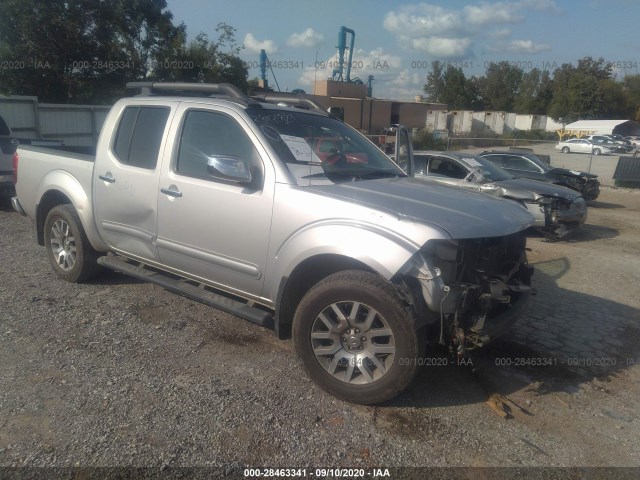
[188,290]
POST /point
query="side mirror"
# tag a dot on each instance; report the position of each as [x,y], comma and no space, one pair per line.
[232,169]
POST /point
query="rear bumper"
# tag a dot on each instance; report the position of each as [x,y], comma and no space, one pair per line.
[591,190]
[15,203]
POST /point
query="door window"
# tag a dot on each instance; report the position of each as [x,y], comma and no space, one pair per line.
[520,163]
[139,136]
[447,168]
[211,134]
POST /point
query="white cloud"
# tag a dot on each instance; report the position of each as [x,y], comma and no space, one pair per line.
[442,47]
[309,39]
[501,33]
[492,13]
[254,46]
[524,46]
[422,20]
[448,32]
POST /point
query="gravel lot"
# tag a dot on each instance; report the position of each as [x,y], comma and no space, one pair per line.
[121,373]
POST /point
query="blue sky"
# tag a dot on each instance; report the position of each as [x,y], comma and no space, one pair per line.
[396,41]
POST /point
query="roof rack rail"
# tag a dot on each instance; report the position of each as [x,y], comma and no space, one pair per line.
[293,100]
[149,88]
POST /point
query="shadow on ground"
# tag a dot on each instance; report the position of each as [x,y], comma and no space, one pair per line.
[567,338]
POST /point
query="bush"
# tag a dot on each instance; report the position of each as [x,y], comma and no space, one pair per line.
[425,140]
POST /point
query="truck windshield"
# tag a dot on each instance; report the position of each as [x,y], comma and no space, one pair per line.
[318,149]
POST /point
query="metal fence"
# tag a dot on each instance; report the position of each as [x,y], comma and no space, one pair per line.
[75,125]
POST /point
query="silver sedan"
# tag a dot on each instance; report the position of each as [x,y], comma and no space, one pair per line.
[581,145]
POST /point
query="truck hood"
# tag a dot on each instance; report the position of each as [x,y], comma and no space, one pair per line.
[461,214]
[524,188]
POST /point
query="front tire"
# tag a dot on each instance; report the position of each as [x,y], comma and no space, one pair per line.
[597,151]
[565,149]
[71,255]
[356,337]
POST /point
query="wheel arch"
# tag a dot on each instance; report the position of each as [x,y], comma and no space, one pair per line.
[304,276]
[48,202]
[53,197]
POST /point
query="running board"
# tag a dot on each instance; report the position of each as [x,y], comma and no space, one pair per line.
[182,287]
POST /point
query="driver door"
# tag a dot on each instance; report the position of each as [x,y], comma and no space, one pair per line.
[212,228]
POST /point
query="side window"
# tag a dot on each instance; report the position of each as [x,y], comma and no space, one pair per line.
[496,160]
[139,136]
[447,168]
[420,164]
[519,163]
[211,134]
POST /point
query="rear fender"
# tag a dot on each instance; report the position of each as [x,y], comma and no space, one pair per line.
[59,185]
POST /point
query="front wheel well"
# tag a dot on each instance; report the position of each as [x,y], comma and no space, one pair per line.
[49,201]
[302,279]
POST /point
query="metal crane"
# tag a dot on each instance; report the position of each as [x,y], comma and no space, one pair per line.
[342,46]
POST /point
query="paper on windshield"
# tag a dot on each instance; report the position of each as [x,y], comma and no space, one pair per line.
[299,147]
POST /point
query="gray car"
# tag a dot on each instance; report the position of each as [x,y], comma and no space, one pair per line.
[7,148]
[557,210]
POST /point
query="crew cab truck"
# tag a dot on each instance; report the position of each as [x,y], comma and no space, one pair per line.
[221,198]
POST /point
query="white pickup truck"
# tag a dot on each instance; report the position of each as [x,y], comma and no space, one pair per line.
[243,205]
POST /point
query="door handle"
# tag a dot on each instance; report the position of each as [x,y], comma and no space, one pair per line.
[172,191]
[107,177]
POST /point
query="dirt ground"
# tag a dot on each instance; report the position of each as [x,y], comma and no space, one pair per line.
[121,373]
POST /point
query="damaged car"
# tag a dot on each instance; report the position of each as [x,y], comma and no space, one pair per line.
[529,165]
[557,210]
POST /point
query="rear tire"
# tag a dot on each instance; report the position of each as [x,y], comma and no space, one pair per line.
[356,337]
[596,151]
[71,255]
[565,150]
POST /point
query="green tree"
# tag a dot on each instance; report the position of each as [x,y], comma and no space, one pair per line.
[631,90]
[202,60]
[583,91]
[535,93]
[84,51]
[615,104]
[434,88]
[500,86]
[452,87]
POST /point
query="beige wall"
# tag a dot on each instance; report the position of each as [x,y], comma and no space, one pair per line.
[412,115]
[330,88]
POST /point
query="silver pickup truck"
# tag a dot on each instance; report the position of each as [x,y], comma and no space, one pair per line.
[288,218]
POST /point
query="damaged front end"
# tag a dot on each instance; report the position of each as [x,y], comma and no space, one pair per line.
[561,215]
[473,289]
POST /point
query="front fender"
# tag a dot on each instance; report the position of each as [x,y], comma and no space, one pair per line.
[382,250]
[71,187]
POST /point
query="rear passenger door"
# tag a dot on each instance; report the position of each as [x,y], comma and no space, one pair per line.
[125,180]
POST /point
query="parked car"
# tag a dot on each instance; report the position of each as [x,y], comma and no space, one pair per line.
[529,165]
[634,139]
[7,149]
[604,140]
[628,145]
[557,210]
[222,199]
[582,145]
